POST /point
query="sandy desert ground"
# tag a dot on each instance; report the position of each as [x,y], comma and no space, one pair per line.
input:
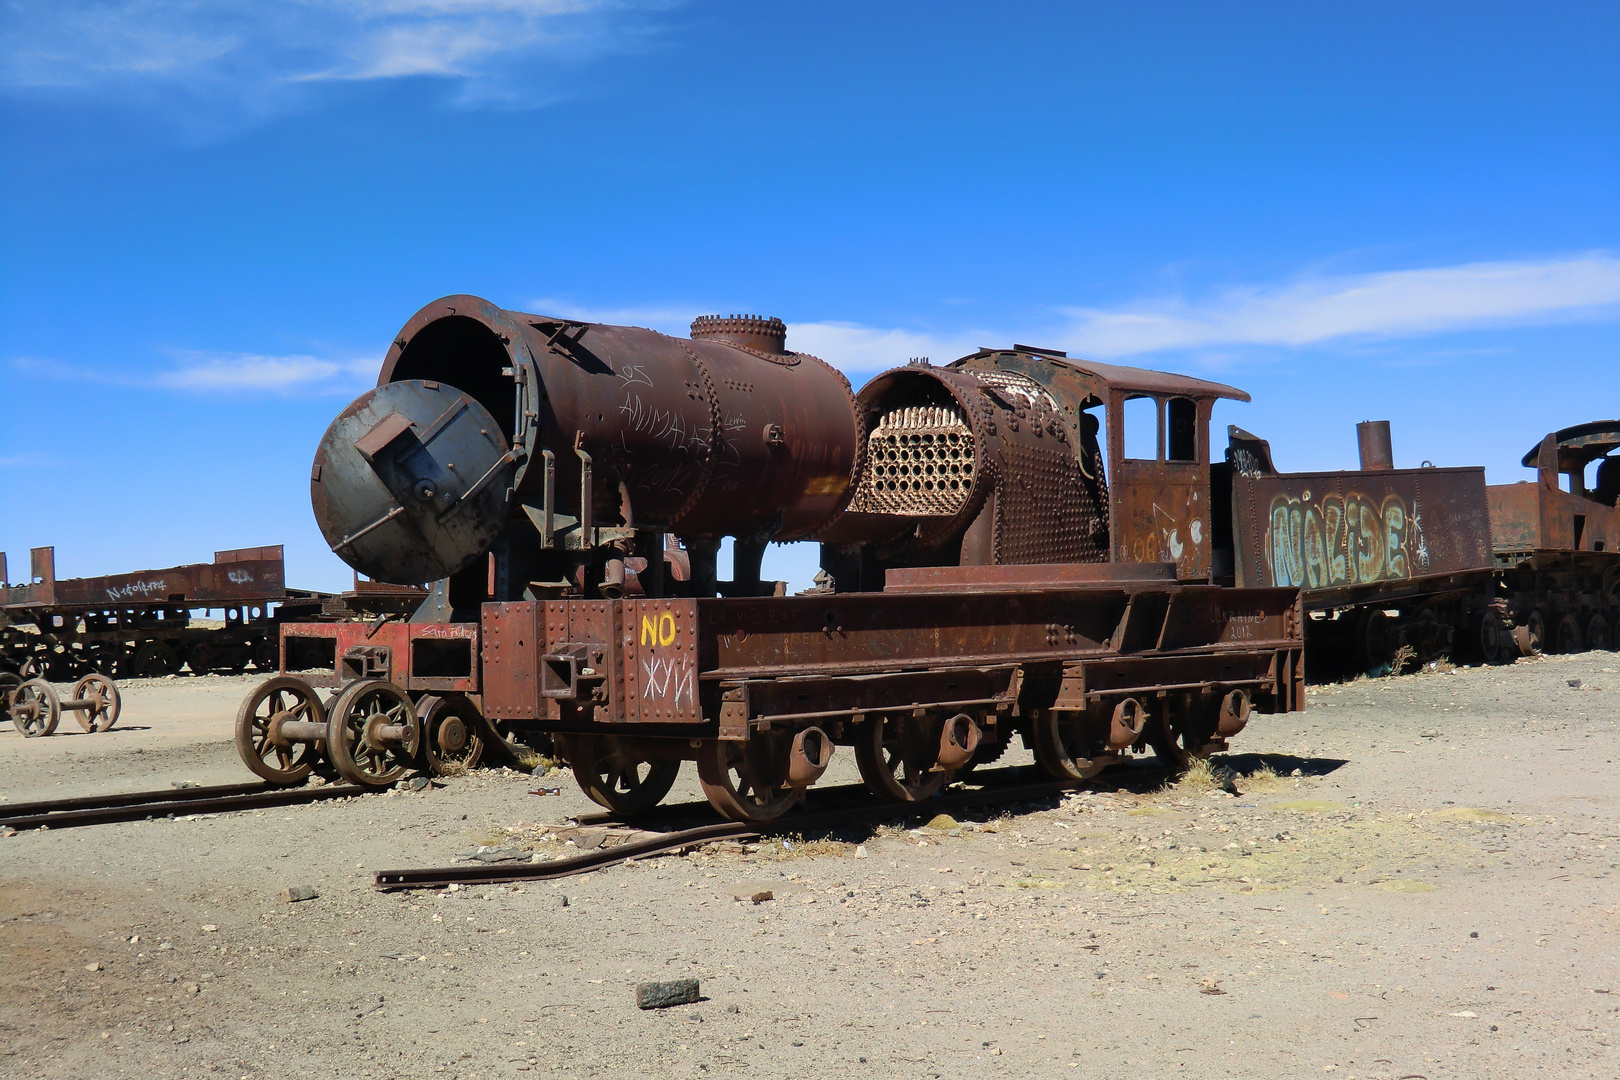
[1434,894]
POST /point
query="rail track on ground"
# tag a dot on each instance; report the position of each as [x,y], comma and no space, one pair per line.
[999,788]
[163,803]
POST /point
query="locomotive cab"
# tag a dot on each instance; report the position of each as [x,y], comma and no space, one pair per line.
[1152,428]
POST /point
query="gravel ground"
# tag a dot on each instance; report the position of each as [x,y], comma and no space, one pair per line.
[1433,895]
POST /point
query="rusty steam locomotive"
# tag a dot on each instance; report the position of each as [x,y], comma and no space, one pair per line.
[994,565]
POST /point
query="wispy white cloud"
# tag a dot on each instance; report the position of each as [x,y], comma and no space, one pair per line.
[1227,325]
[1392,304]
[225,373]
[262,54]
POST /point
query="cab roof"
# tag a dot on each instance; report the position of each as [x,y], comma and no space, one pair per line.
[1099,378]
[1580,444]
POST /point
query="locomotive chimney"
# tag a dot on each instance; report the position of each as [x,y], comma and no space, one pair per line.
[755,333]
[1377,455]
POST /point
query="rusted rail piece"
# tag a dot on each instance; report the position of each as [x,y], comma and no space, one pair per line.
[139,806]
[437,877]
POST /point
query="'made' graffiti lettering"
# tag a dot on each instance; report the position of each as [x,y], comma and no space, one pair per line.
[1344,541]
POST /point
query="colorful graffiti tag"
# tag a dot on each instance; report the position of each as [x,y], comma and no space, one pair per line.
[1343,541]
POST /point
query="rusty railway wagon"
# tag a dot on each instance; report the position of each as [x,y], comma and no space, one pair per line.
[983,580]
[140,624]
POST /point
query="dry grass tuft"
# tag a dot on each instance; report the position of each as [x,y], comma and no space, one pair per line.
[1199,778]
[797,847]
[1262,779]
[453,768]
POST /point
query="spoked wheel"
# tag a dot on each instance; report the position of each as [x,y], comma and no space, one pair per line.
[1531,635]
[1598,634]
[259,739]
[896,757]
[35,709]
[452,733]
[746,781]
[1375,638]
[105,702]
[202,659]
[617,779]
[1568,639]
[1061,746]
[373,734]
[153,660]
[1180,732]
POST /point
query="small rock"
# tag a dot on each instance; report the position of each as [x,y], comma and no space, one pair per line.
[762,896]
[860,851]
[184,784]
[209,928]
[8,831]
[562,901]
[292,894]
[1430,734]
[661,995]
[1574,684]
[419,782]
[1473,933]
[192,988]
[93,966]
[1296,772]
[733,1009]
[315,781]
[454,886]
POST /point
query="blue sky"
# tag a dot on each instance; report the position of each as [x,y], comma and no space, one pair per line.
[214,216]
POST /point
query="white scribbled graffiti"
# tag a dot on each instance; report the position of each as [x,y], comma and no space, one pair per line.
[239,577]
[141,589]
[668,679]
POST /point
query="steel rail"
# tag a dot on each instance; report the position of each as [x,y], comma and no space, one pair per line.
[436,877]
[139,806]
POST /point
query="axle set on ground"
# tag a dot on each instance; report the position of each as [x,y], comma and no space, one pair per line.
[35,708]
[371,733]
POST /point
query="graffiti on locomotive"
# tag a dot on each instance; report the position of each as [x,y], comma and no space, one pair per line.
[1343,541]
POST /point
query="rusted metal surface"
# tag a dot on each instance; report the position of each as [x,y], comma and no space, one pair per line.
[1002,578]
[413,656]
[138,624]
[234,577]
[1550,514]
[140,806]
[1556,542]
[1348,536]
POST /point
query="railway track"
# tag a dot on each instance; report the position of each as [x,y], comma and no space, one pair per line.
[1000,788]
[162,803]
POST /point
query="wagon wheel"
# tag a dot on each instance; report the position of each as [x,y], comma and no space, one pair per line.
[373,734]
[106,702]
[1061,745]
[271,703]
[1179,735]
[617,779]
[202,659]
[35,709]
[745,781]
[1531,635]
[452,733]
[1568,638]
[153,660]
[8,683]
[1597,634]
[1376,638]
[896,757]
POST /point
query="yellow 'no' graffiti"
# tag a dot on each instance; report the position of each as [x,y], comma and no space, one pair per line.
[660,631]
